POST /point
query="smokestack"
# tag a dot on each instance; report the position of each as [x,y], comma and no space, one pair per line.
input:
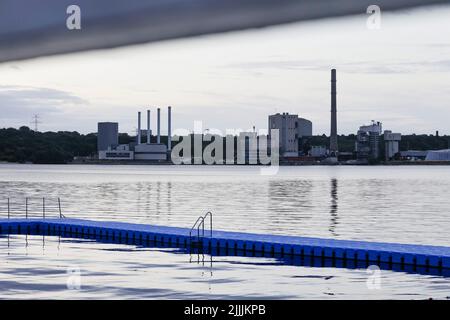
[333,134]
[148,126]
[158,140]
[139,129]
[169,129]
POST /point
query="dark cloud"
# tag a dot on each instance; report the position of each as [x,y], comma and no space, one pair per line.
[21,101]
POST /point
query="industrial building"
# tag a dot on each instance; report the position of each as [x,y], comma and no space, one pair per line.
[367,145]
[153,151]
[368,141]
[291,130]
[438,155]
[413,155]
[116,152]
[108,135]
[391,144]
[109,149]
[429,155]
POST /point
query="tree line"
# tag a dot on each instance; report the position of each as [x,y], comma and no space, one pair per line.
[25,145]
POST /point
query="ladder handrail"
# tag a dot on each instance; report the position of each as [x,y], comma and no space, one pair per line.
[197,224]
[200,223]
[28,205]
[59,206]
[209,213]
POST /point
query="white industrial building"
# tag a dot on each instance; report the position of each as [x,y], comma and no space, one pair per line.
[291,130]
[135,151]
[391,144]
[367,141]
[118,152]
[150,151]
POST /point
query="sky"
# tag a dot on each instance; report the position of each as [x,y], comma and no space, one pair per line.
[398,74]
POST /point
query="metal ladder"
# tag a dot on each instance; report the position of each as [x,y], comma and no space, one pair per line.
[200,225]
[44,207]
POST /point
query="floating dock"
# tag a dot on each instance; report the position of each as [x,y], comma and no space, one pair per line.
[376,252]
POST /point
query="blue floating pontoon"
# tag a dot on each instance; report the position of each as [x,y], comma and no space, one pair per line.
[377,252]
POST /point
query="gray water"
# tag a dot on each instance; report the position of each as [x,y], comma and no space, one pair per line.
[407,204]
[37,267]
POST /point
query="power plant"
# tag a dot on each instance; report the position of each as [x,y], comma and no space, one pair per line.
[291,131]
[110,149]
[295,140]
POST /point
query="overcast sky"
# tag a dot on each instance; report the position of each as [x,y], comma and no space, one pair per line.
[399,75]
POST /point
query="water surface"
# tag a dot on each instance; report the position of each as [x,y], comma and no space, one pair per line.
[50,267]
[407,204]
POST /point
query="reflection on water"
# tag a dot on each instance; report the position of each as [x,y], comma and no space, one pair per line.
[334,207]
[397,204]
[38,267]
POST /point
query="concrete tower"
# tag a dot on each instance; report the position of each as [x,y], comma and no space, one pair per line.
[169,129]
[138,138]
[158,125]
[333,133]
[148,127]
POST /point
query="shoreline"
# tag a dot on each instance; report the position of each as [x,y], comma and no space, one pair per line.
[282,164]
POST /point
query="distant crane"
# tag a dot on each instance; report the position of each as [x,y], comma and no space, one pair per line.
[35,122]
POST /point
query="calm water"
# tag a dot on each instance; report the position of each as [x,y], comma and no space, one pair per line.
[398,204]
[50,267]
[401,204]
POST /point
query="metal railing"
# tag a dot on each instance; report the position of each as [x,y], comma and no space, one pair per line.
[47,207]
[200,225]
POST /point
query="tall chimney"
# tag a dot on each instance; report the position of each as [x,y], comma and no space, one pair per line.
[158,140]
[148,126]
[169,129]
[333,134]
[139,129]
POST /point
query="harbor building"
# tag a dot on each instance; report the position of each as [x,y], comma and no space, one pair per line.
[391,144]
[413,155]
[291,130]
[368,141]
[107,135]
[438,155]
